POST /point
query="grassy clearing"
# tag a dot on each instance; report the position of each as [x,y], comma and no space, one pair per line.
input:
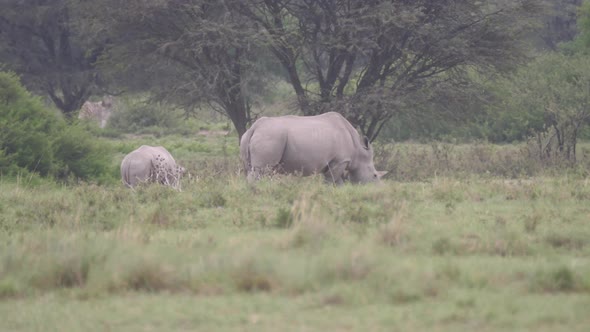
[444,253]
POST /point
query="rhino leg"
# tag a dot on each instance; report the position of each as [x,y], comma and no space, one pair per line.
[335,171]
[265,153]
[256,173]
[253,175]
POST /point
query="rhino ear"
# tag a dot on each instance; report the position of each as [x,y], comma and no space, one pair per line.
[366,143]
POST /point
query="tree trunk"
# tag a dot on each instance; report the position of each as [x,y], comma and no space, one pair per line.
[236,106]
[69,101]
[302,100]
[238,114]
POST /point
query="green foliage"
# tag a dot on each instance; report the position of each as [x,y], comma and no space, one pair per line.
[35,139]
[284,218]
[509,119]
[139,115]
[202,52]
[548,99]
[442,246]
[8,288]
[369,60]
[82,156]
[560,279]
[582,41]
[25,126]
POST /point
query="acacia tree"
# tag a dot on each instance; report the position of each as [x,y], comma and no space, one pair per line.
[373,59]
[40,42]
[553,94]
[554,90]
[187,52]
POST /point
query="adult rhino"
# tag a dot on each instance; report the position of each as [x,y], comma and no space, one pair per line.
[306,145]
[149,164]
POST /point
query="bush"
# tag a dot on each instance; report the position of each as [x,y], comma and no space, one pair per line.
[24,126]
[35,139]
[141,114]
[81,156]
[558,279]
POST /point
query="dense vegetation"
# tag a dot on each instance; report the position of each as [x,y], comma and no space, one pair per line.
[418,69]
[34,139]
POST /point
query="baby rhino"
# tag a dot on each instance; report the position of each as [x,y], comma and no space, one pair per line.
[151,164]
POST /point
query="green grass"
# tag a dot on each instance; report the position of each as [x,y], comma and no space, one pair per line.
[452,253]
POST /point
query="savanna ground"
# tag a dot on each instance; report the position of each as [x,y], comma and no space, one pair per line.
[457,238]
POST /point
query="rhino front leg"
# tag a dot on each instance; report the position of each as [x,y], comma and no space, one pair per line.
[335,172]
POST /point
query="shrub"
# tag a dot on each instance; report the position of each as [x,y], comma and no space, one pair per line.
[35,139]
[140,116]
[81,156]
[284,218]
[24,126]
[557,279]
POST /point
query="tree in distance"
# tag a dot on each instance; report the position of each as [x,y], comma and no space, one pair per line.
[39,40]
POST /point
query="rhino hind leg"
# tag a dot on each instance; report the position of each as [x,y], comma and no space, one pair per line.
[256,173]
[265,155]
[253,175]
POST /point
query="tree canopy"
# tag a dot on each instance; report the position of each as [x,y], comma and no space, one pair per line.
[372,60]
[39,40]
[186,52]
[369,60]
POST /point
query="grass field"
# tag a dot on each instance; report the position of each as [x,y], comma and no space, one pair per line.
[434,247]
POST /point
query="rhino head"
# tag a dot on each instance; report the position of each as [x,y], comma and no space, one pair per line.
[362,169]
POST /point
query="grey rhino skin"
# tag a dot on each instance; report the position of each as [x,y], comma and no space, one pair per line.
[150,164]
[306,145]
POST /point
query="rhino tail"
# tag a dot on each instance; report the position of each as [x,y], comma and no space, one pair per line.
[245,150]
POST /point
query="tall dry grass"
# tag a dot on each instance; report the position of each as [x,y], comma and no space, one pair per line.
[416,162]
[399,242]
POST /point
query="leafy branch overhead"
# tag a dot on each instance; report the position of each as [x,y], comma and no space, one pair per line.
[370,59]
[189,52]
